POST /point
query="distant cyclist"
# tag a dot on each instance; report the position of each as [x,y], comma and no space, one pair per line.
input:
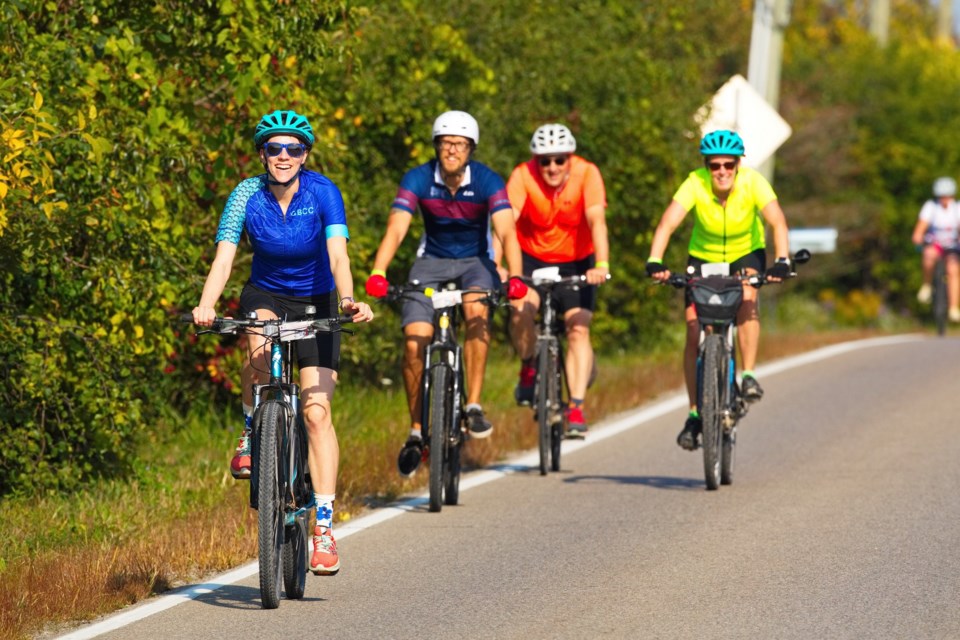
[560,203]
[295,222]
[459,199]
[730,204]
[936,232]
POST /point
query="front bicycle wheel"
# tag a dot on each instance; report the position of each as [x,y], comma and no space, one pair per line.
[439,416]
[295,552]
[712,379]
[940,297]
[270,518]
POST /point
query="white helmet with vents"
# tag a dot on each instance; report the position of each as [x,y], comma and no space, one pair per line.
[552,138]
[457,123]
[943,187]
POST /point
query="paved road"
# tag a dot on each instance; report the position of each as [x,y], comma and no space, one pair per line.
[843,522]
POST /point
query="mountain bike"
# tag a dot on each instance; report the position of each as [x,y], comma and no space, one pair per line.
[717,299]
[280,488]
[442,389]
[551,390]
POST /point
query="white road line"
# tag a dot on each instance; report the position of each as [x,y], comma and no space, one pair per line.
[523,462]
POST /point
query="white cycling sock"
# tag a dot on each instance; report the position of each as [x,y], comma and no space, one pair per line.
[324,509]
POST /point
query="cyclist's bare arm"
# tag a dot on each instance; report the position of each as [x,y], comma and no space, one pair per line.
[506,231]
[672,217]
[774,216]
[597,221]
[205,312]
[397,226]
[919,231]
[343,279]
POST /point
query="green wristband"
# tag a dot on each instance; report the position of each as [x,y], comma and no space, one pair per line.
[655,260]
[379,272]
[603,264]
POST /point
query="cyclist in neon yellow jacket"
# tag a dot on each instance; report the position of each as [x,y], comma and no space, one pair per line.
[731,203]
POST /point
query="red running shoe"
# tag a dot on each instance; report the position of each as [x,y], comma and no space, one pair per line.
[325,560]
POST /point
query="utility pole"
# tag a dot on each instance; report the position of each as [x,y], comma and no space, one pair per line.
[945,23]
[880,20]
[770,20]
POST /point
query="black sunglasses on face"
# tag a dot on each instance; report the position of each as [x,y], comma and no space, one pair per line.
[546,161]
[294,149]
[716,166]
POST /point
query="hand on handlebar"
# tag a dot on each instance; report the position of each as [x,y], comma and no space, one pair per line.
[658,271]
[360,311]
[377,286]
[516,288]
[597,275]
[204,316]
[779,271]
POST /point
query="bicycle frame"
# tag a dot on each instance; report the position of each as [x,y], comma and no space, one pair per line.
[445,350]
[282,390]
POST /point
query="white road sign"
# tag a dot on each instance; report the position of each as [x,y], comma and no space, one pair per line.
[738,106]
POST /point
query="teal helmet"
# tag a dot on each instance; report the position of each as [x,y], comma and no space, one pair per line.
[283,123]
[722,142]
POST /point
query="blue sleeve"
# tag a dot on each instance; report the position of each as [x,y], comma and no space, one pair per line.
[332,212]
[235,211]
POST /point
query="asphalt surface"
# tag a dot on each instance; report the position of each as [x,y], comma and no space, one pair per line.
[843,522]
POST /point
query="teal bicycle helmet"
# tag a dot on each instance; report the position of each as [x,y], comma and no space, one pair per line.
[722,142]
[283,123]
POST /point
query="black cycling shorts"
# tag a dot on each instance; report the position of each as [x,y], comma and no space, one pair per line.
[323,350]
[585,297]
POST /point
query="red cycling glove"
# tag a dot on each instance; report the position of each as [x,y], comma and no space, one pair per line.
[377,286]
[516,288]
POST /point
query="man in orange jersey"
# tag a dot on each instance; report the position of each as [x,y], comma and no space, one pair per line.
[559,203]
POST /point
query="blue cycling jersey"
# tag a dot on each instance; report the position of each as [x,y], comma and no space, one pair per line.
[289,250]
[455,225]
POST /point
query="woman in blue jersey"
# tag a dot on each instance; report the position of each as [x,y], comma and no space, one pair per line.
[295,221]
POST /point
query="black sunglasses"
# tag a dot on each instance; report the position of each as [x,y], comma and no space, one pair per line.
[716,166]
[546,161]
[294,149]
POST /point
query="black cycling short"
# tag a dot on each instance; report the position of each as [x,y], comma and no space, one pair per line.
[585,297]
[756,260]
[323,350]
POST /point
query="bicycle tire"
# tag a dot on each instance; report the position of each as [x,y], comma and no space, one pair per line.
[270,517]
[295,558]
[940,298]
[451,475]
[712,380]
[727,456]
[558,425]
[438,432]
[544,404]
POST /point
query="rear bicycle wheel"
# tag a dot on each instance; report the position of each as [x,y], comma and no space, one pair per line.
[728,454]
[558,424]
[295,557]
[728,448]
[270,517]
[544,404]
[940,297]
[451,475]
[712,379]
[439,416]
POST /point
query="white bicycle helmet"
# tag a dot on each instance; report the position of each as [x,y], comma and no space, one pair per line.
[457,123]
[552,138]
[943,187]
